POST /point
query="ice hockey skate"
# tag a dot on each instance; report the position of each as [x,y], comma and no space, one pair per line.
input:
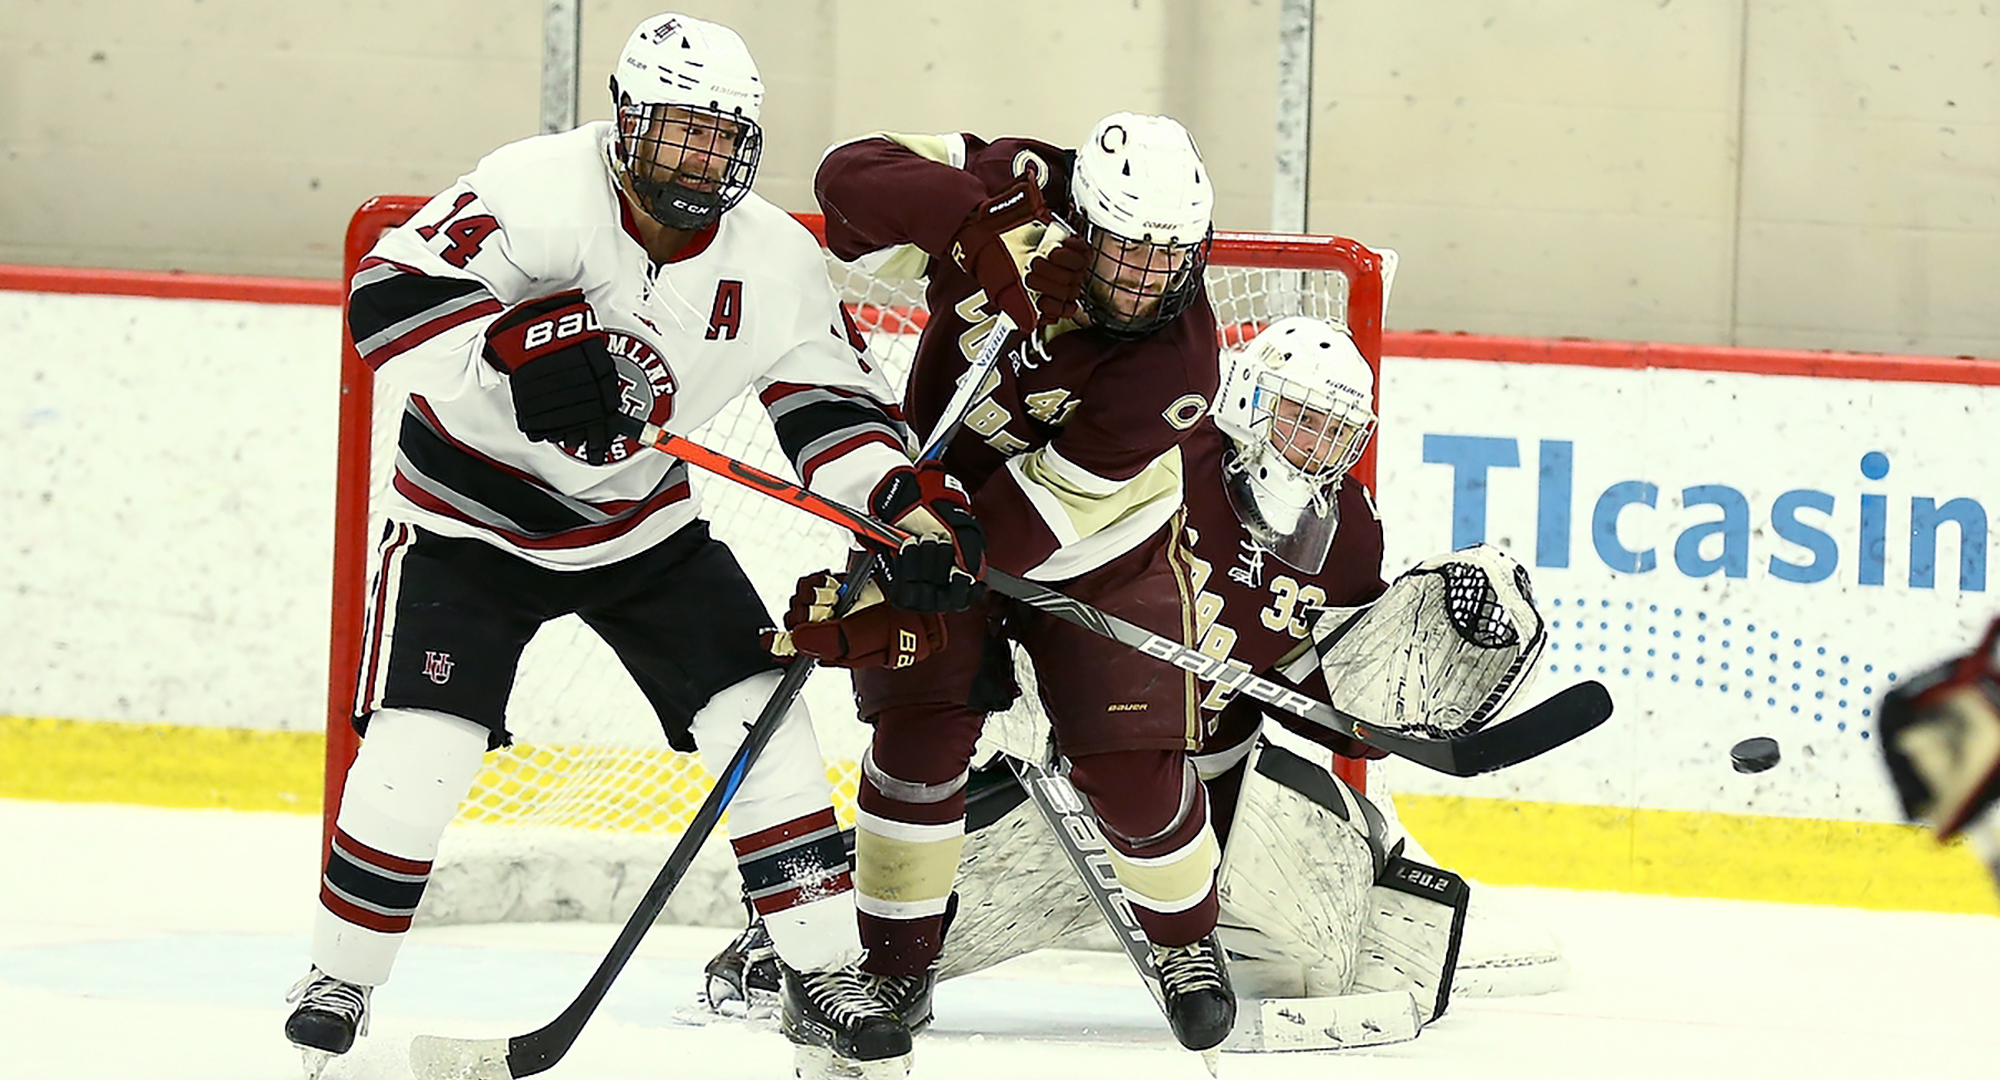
[330,1014]
[742,979]
[1201,1007]
[843,1026]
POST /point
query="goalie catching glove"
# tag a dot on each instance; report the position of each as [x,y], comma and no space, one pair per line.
[560,372]
[938,568]
[871,634]
[1443,650]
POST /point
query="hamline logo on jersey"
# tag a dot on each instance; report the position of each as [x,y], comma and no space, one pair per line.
[646,389]
[1819,536]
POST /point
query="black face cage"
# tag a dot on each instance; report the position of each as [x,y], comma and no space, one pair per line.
[688,197]
[1123,258]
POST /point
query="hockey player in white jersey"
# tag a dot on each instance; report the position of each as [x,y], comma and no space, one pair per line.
[568,286]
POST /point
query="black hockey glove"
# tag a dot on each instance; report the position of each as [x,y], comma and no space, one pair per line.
[1941,737]
[564,382]
[938,568]
[979,250]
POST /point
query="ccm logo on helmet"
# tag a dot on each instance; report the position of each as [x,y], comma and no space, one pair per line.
[569,326]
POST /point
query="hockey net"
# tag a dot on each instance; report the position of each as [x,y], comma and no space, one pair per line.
[574,818]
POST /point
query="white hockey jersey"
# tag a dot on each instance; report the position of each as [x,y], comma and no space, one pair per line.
[746,305]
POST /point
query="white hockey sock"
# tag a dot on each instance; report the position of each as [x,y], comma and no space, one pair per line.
[781,824]
[404,787]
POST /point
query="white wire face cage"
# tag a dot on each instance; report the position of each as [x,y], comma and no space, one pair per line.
[1318,434]
[687,164]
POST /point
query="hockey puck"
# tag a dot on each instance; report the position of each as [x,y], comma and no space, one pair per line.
[1754,755]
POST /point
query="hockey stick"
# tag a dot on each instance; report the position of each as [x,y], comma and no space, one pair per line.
[1351,1020]
[1535,731]
[435,1057]
[969,385]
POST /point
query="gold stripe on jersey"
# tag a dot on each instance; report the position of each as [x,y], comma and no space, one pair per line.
[1172,882]
[891,870]
[946,149]
[1090,504]
[1178,558]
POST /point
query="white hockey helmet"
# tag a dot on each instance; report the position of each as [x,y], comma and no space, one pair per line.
[687,96]
[1295,402]
[1146,202]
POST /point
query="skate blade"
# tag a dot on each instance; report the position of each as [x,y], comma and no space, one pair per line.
[820,1063]
[314,1061]
[435,1058]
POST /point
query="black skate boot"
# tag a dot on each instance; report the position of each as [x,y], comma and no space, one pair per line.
[743,977]
[330,1014]
[1201,1008]
[842,1026]
[908,997]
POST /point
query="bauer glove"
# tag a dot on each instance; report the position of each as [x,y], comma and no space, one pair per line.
[980,248]
[872,633]
[564,382]
[1056,275]
[938,568]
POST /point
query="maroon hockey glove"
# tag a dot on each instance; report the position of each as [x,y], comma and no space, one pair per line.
[564,382]
[872,634]
[937,569]
[978,249]
[1056,278]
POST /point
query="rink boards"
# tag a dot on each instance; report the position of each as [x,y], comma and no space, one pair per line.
[1736,542]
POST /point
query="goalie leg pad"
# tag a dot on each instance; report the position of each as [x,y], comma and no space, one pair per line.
[1301,858]
[1411,940]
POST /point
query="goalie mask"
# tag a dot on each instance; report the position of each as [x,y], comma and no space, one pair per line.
[1145,200]
[687,96]
[1294,402]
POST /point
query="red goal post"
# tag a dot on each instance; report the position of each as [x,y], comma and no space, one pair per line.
[1253,278]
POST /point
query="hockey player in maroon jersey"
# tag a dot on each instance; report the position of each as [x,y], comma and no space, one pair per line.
[1277,537]
[568,285]
[1072,454]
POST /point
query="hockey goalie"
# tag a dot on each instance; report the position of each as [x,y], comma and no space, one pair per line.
[1323,898]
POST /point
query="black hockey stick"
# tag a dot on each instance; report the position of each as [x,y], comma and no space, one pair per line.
[1535,731]
[434,1057]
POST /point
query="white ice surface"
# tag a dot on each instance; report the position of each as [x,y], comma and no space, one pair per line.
[156,945]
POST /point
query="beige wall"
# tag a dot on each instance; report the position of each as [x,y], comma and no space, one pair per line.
[1820,175]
